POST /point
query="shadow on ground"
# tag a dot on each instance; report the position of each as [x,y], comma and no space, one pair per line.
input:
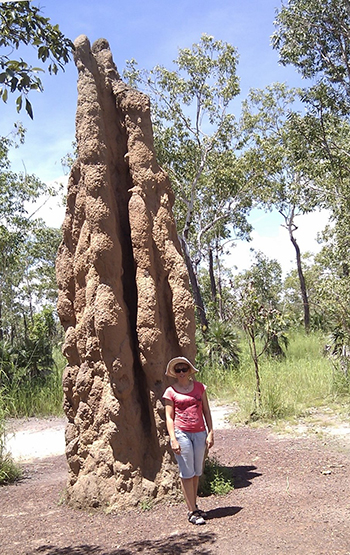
[243,475]
[222,512]
[173,545]
[238,476]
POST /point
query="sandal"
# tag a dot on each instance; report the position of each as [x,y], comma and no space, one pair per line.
[195,518]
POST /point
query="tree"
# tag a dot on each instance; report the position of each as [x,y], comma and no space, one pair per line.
[315,38]
[27,258]
[220,351]
[215,288]
[276,149]
[21,23]
[290,225]
[30,360]
[27,281]
[334,298]
[195,143]
[293,305]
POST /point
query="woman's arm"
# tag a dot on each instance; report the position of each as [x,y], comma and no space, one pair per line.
[169,419]
[208,419]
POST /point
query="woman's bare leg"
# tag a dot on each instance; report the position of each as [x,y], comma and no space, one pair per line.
[189,489]
[195,488]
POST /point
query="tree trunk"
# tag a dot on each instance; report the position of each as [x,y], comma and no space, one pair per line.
[213,289]
[195,286]
[25,328]
[1,323]
[255,357]
[290,225]
[304,295]
[219,297]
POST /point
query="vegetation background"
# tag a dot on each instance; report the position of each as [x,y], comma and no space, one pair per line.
[275,345]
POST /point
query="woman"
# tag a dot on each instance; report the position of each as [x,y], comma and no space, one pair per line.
[186,404]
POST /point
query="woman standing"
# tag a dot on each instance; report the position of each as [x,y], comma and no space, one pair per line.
[187,411]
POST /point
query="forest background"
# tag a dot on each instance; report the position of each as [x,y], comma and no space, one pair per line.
[263,139]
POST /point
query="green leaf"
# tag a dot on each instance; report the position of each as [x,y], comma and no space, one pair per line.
[23,24]
[19,103]
[14,83]
[29,109]
[43,53]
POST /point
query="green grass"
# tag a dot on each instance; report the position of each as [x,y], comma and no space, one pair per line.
[41,398]
[9,471]
[38,400]
[304,379]
[289,387]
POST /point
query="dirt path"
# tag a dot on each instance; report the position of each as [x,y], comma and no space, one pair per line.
[292,496]
[28,439]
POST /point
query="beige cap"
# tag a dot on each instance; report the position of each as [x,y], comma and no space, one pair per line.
[170,369]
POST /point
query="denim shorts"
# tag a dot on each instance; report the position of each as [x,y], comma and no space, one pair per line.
[193,447]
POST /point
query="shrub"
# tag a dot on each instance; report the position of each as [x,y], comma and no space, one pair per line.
[9,471]
[216,479]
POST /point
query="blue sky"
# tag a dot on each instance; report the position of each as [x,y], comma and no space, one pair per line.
[151,31]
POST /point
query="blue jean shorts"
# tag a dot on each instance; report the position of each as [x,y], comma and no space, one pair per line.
[193,447]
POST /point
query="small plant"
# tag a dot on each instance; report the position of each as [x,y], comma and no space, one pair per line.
[216,479]
[222,347]
[146,504]
[9,471]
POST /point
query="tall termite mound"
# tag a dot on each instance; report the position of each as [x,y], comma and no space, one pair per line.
[124,298]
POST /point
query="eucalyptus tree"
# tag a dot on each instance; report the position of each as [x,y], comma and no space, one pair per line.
[27,253]
[195,139]
[315,38]
[276,149]
[314,274]
[22,24]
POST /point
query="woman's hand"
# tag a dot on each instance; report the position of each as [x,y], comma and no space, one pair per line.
[210,439]
[175,446]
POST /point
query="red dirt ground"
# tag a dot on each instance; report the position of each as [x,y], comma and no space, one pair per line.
[291,497]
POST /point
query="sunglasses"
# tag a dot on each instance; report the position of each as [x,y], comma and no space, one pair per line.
[182,369]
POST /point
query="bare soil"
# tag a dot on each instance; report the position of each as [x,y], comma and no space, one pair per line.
[291,496]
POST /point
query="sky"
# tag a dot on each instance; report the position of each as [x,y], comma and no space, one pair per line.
[152,31]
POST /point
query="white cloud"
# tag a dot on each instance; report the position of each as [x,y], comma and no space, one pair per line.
[51,209]
[273,240]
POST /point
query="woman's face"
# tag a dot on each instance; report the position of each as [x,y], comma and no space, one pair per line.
[182,370]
